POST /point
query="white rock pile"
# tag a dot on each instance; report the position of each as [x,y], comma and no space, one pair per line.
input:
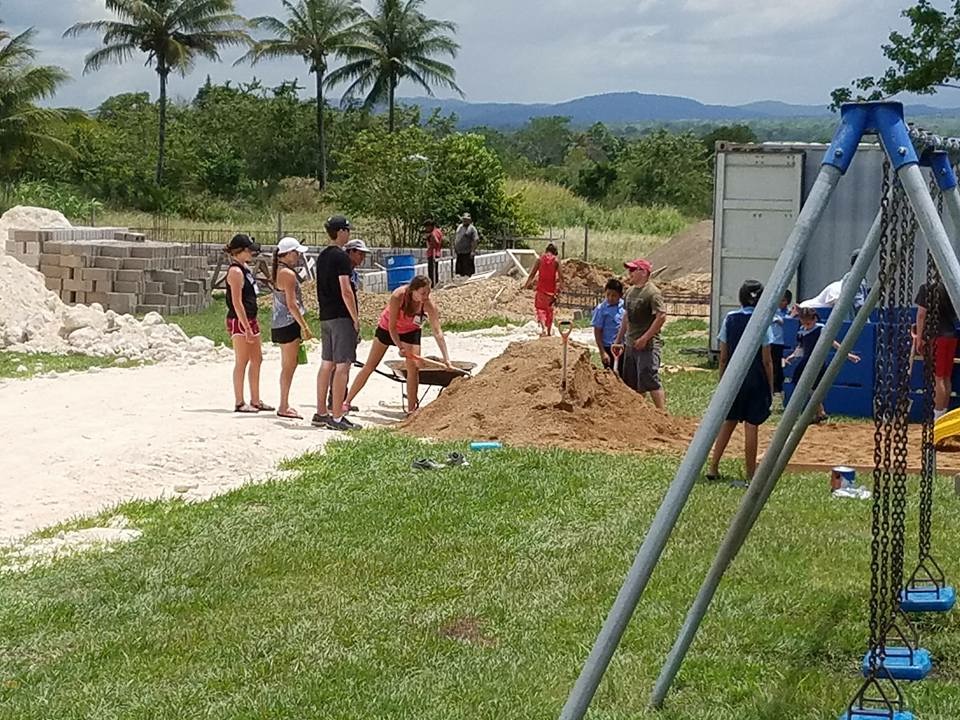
[33,319]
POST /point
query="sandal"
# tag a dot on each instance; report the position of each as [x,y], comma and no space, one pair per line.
[290,414]
[426,464]
[263,406]
[713,477]
[246,408]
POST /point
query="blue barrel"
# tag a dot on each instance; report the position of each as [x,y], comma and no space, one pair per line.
[400,270]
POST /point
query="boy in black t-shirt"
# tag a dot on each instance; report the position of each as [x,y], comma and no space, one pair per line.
[339,325]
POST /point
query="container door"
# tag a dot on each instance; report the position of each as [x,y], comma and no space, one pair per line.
[758,198]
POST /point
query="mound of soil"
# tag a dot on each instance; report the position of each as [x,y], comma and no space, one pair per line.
[584,277]
[689,252]
[517,399]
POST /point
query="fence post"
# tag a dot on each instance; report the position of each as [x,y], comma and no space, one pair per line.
[279,226]
[93,217]
[563,249]
[586,242]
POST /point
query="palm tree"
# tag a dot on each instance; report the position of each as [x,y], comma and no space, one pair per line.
[314,30]
[399,42]
[174,34]
[22,85]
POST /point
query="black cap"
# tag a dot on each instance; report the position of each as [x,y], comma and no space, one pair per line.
[243,242]
[337,222]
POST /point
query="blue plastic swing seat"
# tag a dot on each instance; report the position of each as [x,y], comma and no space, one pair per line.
[928,599]
[900,666]
[874,714]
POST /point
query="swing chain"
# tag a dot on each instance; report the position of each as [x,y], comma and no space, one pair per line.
[878,592]
[903,347]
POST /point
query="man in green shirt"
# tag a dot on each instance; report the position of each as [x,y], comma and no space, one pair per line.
[643,317]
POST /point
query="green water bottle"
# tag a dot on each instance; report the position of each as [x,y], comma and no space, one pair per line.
[302,355]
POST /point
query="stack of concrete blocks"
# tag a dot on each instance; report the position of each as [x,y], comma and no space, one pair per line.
[123,271]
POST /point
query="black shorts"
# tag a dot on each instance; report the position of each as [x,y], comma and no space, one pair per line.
[410,338]
[286,334]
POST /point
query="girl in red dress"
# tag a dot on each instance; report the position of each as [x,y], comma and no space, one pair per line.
[546,273]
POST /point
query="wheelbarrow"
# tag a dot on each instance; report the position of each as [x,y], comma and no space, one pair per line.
[430,376]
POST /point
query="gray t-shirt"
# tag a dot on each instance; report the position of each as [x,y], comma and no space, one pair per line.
[467,239]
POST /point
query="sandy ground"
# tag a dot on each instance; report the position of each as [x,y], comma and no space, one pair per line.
[78,443]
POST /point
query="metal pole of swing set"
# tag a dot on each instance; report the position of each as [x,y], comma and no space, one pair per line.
[768,472]
[690,467]
[766,477]
[930,223]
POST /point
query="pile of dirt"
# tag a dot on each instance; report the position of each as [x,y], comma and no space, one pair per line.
[472,301]
[689,252]
[694,286]
[583,277]
[517,399]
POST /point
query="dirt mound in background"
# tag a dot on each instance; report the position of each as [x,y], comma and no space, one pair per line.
[689,252]
[473,301]
[516,399]
[583,277]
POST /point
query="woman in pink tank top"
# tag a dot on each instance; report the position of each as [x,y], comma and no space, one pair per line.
[549,281]
[400,325]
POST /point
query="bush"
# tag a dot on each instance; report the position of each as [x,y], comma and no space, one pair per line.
[552,205]
[54,196]
[549,204]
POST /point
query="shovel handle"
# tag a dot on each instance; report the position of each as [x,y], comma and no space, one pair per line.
[565,327]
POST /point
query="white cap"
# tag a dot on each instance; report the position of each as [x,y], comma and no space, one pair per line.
[356,244]
[289,244]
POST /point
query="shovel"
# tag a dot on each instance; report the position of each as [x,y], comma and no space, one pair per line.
[565,327]
[617,350]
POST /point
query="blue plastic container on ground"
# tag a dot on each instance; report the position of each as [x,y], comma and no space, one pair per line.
[400,270]
[900,665]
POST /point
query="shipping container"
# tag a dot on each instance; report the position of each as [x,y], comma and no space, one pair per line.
[759,191]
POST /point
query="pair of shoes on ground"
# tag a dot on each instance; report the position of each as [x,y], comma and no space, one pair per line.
[250,409]
[717,477]
[344,424]
[454,459]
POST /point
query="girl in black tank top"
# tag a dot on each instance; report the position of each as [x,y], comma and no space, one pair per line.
[242,325]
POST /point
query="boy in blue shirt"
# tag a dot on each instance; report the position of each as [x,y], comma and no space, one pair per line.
[607,317]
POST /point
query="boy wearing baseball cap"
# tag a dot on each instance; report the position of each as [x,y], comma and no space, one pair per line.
[339,325]
[644,316]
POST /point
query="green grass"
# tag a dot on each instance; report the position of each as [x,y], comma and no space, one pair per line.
[366,590]
[39,363]
[211,323]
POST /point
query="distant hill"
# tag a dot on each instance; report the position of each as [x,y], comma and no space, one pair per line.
[623,108]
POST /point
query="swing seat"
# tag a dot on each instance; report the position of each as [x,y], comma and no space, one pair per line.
[900,666]
[875,714]
[928,599]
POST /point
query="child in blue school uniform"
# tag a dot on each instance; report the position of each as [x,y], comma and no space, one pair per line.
[807,337]
[607,318]
[752,404]
[777,346]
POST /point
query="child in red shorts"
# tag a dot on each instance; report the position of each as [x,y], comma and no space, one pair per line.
[945,341]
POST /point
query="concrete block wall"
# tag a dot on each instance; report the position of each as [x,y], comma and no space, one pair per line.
[121,271]
[376,282]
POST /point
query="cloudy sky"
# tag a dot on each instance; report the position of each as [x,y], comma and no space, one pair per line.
[716,51]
